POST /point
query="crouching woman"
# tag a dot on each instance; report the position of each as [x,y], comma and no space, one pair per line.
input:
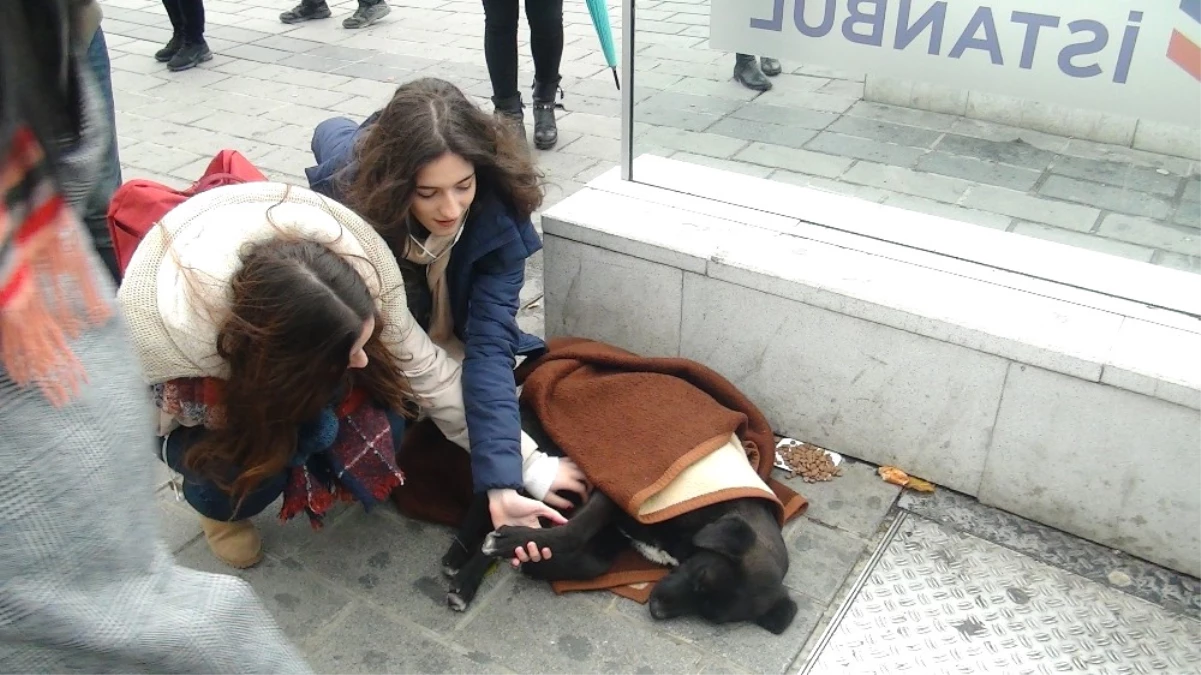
[273,326]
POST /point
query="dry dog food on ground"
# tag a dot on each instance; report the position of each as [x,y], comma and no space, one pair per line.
[807,461]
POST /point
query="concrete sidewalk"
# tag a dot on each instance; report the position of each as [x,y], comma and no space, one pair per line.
[365,594]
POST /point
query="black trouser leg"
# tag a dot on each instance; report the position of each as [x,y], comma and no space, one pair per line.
[175,14]
[500,46]
[193,19]
[546,38]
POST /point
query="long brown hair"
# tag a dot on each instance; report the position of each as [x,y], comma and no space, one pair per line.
[426,119]
[296,310]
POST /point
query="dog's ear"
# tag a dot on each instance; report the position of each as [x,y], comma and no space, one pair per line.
[731,537]
[780,616]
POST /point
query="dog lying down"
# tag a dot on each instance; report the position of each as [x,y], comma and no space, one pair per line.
[728,559]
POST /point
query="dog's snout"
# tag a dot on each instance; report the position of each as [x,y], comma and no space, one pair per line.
[658,611]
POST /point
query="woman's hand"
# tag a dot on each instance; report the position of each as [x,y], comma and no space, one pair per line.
[568,477]
[509,508]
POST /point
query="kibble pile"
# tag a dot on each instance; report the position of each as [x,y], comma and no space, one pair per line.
[809,462]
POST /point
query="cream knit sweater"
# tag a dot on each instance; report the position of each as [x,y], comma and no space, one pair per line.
[174,319]
[175,336]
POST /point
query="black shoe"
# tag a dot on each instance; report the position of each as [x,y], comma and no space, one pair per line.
[164,55]
[510,110]
[305,12]
[190,55]
[546,129]
[770,67]
[747,71]
[366,15]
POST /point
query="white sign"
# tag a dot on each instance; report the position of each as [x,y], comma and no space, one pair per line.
[1138,58]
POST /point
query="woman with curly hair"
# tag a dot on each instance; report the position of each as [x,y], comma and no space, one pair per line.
[271,323]
[452,189]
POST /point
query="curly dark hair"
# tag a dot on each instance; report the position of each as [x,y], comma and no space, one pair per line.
[426,119]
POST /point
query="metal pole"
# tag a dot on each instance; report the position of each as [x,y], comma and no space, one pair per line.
[627,89]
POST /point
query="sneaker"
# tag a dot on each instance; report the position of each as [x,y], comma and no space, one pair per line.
[190,55]
[305,12]
[164,55]
[366,15]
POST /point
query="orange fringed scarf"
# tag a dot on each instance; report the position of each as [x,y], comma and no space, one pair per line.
[46,280]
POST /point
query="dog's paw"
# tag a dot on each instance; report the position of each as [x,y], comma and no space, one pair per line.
[456,601]
[449,571]
[491,544]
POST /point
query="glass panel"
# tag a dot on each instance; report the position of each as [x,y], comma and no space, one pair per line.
[1076,123]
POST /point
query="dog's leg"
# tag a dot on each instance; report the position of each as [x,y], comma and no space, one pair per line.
[589,563]
[476,525]
[592,517]
[466,583]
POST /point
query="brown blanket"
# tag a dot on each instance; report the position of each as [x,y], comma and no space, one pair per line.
[633,424]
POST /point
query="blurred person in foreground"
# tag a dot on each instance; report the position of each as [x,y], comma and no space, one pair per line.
[86,584]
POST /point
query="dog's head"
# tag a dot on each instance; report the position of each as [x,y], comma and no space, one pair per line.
[731,576]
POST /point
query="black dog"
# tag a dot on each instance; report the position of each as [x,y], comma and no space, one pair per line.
[729,559]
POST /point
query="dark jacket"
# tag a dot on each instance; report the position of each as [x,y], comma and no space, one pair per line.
[484,276]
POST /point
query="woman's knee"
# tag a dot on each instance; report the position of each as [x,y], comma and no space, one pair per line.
[546,15]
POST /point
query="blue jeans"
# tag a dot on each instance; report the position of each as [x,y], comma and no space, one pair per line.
[211,501]
[333,148]
[108,176]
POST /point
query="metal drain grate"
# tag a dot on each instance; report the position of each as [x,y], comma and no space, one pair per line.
[935,600]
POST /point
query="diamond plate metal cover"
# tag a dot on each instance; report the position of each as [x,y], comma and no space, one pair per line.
[941,601]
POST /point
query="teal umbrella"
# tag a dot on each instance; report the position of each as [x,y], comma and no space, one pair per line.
[604,30]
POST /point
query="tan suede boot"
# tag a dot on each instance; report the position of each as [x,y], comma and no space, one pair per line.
[235,543]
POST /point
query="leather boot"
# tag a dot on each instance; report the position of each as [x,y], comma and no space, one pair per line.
[770,67]
[546,129]
[235,543]
[511,110]
[747,71]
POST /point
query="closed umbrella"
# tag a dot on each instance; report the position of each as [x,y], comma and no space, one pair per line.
[604,30]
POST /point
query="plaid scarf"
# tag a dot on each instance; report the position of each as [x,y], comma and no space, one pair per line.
[346,454]
[47,289]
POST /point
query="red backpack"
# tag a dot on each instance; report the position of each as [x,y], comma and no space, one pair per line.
[138,204]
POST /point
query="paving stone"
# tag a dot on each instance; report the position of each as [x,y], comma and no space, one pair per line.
[838,187]
[908,181]
[598,147]
[1129,176]
[1192,189]
[581,638]
[811,100]
[1124,155]
[723,89]
[700,143]
[860,148]
[593,125]
[288,44]
[1083,240]
[745,644]
[158,158]
[1188,214]
[1015,153]
[802,161]
[235,124]
[234,33]
[390,561]
[253,52]
[856,501]
[820,558]
[724,164]
[848,88]
[776,134]
[364,639]
[942,210]
[1005,134]
[789,117]
[922,119]
[886,132]
[690,103]
[978,171]
[1146,232]
[299,600]
[1037,209]
[1107,197]
[1187,263]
